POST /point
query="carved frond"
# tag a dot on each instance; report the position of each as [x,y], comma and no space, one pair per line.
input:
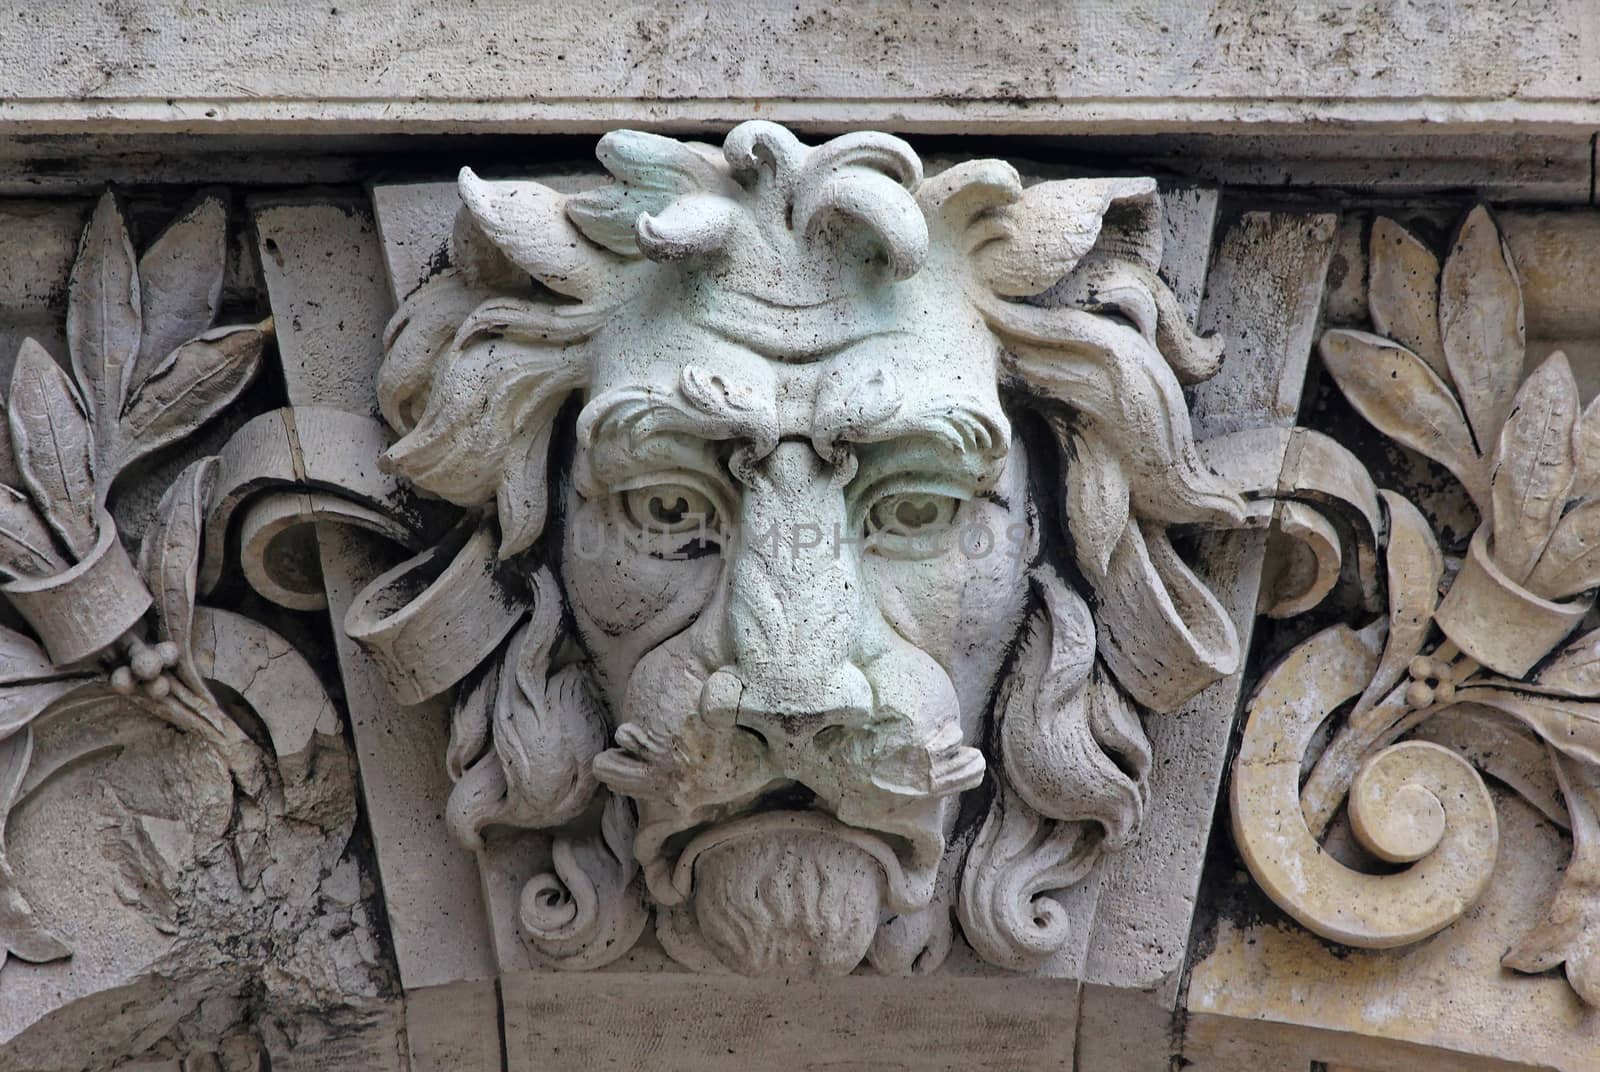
[1481,324]
[103,318]
[1097,494]
[180,280]
[1107,284]
[1403,293]
[1534,466]
[651,172]
[26,546]
[416,339]
[1054,225]
[1570,563]
[1403,398]
[499,382]
[547,728]
[1569,934]
[1571,726]
[1586,449]
[1017,860]
[1129,396]
[189,388]
[1068,739]
[21,933]
[54,441]
[860,185]
[169,562]
[1574,670]
[1414,567]
[588,910]
[528,222]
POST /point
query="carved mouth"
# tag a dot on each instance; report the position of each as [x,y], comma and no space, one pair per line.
[909,869]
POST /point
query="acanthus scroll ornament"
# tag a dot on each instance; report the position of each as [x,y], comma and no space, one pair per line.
[1477,652]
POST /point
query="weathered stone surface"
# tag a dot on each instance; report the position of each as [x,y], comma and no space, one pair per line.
[196,889]
[321,260]
[1445,1003]
[1100,66]
[1263,297]
[591,786]
[444,387]
[703,1023]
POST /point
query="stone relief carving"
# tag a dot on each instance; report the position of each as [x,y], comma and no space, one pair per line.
[175,771]
[146,370]
[815,570]
[1475,659]
[793,533]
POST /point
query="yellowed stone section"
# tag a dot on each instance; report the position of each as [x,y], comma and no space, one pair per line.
[1278,996]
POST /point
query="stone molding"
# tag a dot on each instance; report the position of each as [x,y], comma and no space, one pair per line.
[1013,67]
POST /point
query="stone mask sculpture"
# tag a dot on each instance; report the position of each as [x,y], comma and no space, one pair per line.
[791,478]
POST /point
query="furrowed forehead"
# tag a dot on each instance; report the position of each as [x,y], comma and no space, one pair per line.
[932,381]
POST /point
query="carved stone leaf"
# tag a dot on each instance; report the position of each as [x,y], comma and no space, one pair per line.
[23,702]
[1481,325]
[55,446]
[1570,931]
[1403,398]
[103,318]
[15,753]
[1571,560]
[9,473]
[28,685]
[1533,467]
[1415,566]
[180,280]
[1572,727]
[21,933]
[1403,294]
[1575,670]
[1586,450]
[195,383]
[169,560]
[26,547]
[21,659]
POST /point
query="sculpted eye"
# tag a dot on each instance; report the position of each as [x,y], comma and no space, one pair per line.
[912,514]
[669,508]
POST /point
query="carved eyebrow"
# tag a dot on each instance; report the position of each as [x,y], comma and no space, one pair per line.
[613,462]
[956,439]
[704,404]
[956,424]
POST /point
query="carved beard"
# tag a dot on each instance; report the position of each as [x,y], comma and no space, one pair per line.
[796,903]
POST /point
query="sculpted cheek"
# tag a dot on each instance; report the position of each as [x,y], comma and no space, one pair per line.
[624,600]
[964,610]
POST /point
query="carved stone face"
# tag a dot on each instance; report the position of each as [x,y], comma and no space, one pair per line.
[798,639]
[816,613]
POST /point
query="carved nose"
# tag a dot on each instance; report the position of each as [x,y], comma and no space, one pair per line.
[788,713]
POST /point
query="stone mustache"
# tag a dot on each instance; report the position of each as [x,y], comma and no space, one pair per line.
[791,476]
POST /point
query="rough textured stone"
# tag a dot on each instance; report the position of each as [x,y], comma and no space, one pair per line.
[1100,66]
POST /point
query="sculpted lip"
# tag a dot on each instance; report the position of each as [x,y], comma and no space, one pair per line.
[907,887]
